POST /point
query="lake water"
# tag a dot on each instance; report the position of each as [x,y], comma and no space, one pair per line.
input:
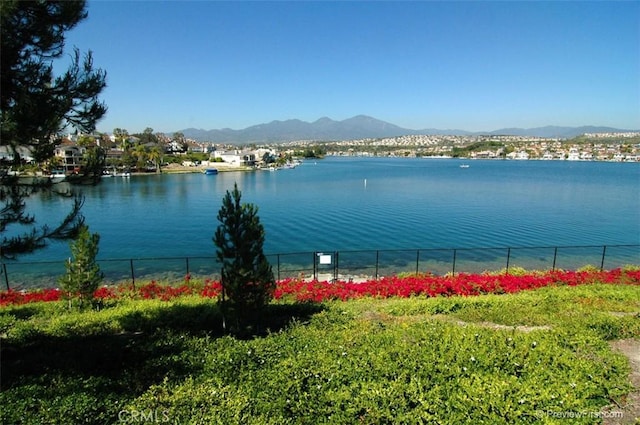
[349,203]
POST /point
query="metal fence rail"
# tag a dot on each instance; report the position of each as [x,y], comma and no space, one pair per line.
[345,265]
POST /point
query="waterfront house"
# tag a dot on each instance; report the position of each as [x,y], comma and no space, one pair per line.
[574,155]
[236,157]
[70,156]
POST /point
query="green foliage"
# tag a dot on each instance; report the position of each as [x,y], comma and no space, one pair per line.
[588,268]
[414,360]
[315,151]
[83,274]
[514,271]
[95,160]
[35,104]
[246,276]
[353,363]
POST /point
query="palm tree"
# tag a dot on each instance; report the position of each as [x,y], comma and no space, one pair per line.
[140,153]
[121,137]
[155,156]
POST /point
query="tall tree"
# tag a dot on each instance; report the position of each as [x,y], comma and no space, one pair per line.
[155,156]
[247,278]
[147,136]
[140,153]
[95,159]
[83,274]
[178,136]
[180,140]
[121,137]
[35,105]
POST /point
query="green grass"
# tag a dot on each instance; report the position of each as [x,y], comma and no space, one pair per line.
[417,360]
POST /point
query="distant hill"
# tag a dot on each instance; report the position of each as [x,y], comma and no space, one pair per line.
[360,127]
[556,132]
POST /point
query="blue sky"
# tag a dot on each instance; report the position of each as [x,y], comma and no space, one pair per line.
[476,66]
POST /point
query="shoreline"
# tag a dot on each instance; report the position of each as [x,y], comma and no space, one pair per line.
[181,169]
[222,167]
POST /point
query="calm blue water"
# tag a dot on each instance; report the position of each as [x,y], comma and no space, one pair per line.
[404,203]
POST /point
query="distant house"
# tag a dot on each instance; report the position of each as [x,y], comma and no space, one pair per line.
[195,147]
[70,156]
[574,155]
[484,154]
[114,155]
[7,154]
[236,157]
[175,146]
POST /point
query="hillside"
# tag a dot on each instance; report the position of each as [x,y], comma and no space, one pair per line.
[361,127]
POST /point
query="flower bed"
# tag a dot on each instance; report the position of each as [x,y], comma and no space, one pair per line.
[300,290]
[460,284]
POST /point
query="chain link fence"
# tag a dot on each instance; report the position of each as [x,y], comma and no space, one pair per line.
[339,265]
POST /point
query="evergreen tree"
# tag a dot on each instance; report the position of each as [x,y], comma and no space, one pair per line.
[247,278]
[35,106]
[83,273]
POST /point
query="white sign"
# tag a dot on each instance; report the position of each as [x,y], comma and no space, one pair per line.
[325,259]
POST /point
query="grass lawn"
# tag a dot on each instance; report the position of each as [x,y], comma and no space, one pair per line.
[538,356]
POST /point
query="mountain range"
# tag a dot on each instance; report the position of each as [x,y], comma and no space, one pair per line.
[362,127]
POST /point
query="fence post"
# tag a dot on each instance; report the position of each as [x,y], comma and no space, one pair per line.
[377,260]
[278,264]
[508,258]
[417,261]
[335,267]
[6,276]
[133,276]
[604,252]
[187,260]
[555,255]
[315,265]
[454,263]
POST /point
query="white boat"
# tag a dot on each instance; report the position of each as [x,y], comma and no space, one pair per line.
[464,165]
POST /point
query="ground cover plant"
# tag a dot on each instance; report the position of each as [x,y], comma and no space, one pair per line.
[306,290]
[160,354]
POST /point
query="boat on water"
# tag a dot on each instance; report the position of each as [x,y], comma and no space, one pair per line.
[210,171]
[115,173]
[464,165]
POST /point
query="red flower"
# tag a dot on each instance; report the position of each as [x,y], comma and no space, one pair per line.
[393,286]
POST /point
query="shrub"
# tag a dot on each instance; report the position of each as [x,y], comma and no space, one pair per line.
[83,273]
[247,279]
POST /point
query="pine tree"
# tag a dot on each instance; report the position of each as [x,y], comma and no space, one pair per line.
[35,105]
[83,273]
[247,278]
